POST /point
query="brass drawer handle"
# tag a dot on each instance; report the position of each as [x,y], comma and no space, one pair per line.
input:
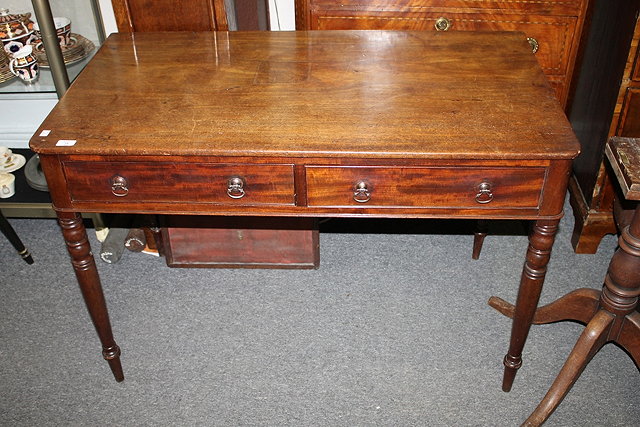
[534,44]
[484,195]
[235,187]
[119,186]
[361,192]
[442,24]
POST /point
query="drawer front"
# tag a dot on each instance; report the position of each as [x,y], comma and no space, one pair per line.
[552,34]
[541,7]
[629,124]
[455,187]
[242,184]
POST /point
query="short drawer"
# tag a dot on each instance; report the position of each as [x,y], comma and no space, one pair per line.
[455,187]
[241,184]
[550,36]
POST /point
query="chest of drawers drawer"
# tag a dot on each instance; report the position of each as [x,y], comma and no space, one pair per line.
[439,187]
[227,184]
[549,36]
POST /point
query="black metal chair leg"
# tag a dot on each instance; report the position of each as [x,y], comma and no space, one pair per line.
[11,235]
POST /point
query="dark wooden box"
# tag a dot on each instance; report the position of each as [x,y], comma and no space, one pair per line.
[241,242]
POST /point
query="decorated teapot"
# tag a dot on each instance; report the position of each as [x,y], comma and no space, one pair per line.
[16,30]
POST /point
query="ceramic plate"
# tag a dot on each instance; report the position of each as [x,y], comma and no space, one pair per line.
[17,162]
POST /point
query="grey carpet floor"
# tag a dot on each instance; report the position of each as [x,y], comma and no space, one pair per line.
[391,330]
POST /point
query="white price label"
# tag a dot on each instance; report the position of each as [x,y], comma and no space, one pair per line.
[66,142]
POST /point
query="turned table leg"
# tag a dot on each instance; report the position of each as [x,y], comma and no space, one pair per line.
[533,274]
[84,266]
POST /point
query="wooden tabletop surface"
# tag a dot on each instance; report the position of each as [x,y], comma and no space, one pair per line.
[372,94]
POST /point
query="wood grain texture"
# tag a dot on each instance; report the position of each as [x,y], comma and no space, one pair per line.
[372,94]
[399,187]
[554,34]
[169,15]
[235,242]
[624,157]
[554,25]
[157,128]
[193,182]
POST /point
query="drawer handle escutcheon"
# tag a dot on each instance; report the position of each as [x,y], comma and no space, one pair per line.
[534,44]
[119,186]
[484,194]
[442,24]
[235,187]
[361,193]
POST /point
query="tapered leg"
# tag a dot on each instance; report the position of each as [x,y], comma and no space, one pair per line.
[579,305]
[482,228]
[590,342]
[84,266]
[13,238]
[533,273]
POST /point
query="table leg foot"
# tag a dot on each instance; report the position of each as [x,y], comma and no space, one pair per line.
[578,305]
[629,337]
[511,366]
[84,266]
[590,342]
[112,356]
[533,274]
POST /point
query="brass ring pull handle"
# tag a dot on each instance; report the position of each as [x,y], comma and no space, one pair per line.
[442,24]
[119,186]
[484,195]
[235,187]
[534,44]
[361,192]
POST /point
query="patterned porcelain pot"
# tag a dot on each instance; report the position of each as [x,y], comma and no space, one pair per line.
[63,30]
[24,65]
[16,31]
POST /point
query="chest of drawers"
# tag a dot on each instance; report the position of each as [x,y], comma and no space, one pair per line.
[552,27]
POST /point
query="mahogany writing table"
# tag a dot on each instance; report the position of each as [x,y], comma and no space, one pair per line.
[311,124]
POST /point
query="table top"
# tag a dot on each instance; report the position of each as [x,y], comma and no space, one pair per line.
[365,94]
[624,157]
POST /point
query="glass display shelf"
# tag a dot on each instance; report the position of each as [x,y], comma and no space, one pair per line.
[44,84]
[86,22]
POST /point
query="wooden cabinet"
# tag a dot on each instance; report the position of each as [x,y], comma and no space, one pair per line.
[552,27]
[606,103]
